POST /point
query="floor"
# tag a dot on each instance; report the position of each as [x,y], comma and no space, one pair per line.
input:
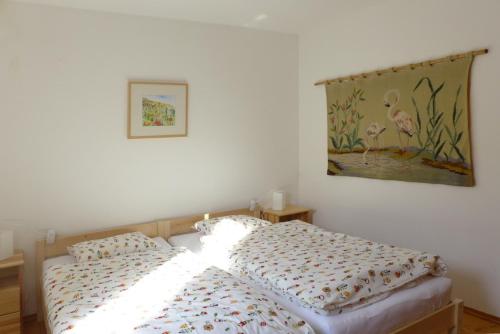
[472,325]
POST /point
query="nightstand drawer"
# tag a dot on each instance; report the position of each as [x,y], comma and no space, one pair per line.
[300,216]
[10,299]
[10,323]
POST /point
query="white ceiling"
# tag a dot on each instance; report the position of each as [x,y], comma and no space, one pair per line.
[290,16]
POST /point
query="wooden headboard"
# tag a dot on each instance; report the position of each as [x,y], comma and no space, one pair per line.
[182,225]
[164,228]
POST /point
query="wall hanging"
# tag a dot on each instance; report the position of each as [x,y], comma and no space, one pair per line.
[157,109]
[408,123]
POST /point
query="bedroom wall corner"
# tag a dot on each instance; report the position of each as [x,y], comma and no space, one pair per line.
[460,224]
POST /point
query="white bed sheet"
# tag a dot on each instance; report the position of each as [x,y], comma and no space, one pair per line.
[399,308]
[191,241]
[66,259]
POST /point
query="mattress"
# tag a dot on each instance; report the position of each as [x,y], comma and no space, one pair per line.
[399,308]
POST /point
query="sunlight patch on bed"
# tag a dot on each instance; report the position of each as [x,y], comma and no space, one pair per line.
[143,301]
[216,247]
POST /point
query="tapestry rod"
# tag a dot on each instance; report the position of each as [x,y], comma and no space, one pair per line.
[404,67]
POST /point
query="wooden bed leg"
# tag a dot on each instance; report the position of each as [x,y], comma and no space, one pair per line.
[459,313]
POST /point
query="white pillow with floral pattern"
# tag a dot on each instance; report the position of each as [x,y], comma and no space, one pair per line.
[112,246]
[208,226]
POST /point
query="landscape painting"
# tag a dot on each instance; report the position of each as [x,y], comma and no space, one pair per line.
[158,110]
[408,125]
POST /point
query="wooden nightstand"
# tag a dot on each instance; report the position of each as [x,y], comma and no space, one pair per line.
[11,287]
[289,213]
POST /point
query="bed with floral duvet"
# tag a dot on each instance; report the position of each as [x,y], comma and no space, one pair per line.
[327,272]
[167,291]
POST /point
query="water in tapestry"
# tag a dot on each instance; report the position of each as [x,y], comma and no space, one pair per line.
[408,125]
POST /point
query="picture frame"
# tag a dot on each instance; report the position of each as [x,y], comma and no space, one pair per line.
[157,109]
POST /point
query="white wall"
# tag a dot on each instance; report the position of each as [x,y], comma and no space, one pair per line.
[461,224]
[65,160]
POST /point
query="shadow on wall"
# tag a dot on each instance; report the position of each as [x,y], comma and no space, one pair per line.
[468,281]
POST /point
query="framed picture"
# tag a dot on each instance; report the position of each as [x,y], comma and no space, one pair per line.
[157,109]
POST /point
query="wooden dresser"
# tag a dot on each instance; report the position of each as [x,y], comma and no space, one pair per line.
[11,283]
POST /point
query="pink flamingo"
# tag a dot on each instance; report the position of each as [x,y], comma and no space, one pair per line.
[374,130]
[402,120]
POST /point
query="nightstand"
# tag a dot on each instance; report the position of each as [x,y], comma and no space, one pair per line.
[291,212]
[11,287]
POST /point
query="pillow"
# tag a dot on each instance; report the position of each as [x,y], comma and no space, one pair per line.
[112,246]
[249,223]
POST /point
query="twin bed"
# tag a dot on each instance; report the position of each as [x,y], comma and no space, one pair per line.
[176,292]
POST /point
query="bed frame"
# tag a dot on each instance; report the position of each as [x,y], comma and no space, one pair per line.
[447,319]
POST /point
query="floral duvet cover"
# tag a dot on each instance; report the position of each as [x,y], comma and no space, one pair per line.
[327,272]
[167,291]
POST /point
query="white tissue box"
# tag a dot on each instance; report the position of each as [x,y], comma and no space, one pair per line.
[278,200]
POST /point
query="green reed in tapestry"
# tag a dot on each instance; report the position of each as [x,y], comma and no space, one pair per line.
[411,125]
[345,121]
[455,135]
[434,127]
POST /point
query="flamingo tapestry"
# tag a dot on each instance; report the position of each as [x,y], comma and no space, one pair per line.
[407,125]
